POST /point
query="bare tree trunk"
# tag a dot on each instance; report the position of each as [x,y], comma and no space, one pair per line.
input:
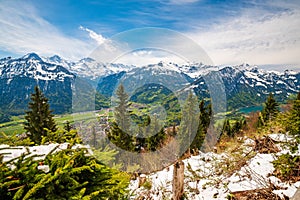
[178,180]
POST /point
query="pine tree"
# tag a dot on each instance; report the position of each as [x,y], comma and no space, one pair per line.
[61,136]
[204,120]
[270,110]
[67,126]
[39,117]
[121,110]
[226,130]
[120,138]
[294,117]
[157,137]
[189,122]
[120,128]
[68,174]
[143,131]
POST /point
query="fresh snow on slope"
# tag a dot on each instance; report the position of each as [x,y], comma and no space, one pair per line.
[209,182]
[31,65]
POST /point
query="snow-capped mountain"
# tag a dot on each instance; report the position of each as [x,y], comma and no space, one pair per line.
[57,60]
[166,74]
[245,85]
[32,66]
[19,76]
[88,67]
[257,84]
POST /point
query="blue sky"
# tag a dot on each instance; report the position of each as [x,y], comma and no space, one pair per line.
[231,32]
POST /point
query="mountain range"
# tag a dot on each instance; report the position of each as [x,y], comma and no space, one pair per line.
[244,85]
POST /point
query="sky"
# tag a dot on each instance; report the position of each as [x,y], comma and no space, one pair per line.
[257,32]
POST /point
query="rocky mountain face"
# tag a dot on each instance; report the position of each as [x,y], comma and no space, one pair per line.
[244,85]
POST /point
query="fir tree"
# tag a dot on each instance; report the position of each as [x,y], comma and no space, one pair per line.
[67,174]
[120,138]
[157,137]
[226,130]
[68,126]
[155,141]
[121,113]
[294,117]
[189,122]
[270,110]
[120,128]
[204,120]
[238,125]
[61,136]
[143,131]
[39,117]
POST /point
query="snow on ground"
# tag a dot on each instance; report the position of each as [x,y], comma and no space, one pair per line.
[40,151]
[204,178]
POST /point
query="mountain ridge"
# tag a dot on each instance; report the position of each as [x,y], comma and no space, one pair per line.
[55,76]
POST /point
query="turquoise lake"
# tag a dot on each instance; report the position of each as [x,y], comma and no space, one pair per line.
[250,109]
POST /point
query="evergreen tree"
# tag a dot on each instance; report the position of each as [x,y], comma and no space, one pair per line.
[121,113]
[39,117]
[68,126]
[61,136]
[157,137]
[189,122]
[204,120]
[238,125]
[143,131]
[226,130]
[66,174]
[120,138]
[270,110]
[294,117]
[155,141]
[119,129]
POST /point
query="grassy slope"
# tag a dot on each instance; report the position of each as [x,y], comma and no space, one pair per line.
[16,125]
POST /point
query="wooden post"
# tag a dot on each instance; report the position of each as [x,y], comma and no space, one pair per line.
[178,180]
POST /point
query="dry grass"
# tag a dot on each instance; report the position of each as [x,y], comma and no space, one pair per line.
[259,194]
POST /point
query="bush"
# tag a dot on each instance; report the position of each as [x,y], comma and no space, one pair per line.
[287,167]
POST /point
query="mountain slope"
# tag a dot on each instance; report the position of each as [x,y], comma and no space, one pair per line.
[244,85]
[19,76]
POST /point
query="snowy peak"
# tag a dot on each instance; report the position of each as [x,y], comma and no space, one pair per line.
[193,70]
[258,82]
[32,66]
[86,60]
[31,56]
[90,68]
[162,66]
[55,59]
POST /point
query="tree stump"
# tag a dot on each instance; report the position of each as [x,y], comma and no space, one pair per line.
[178,181]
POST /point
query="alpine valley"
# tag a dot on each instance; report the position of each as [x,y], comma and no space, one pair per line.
[244,85]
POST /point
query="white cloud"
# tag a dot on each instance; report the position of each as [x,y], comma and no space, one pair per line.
[97,37]
[255,37]
[146,57]
[23,31]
